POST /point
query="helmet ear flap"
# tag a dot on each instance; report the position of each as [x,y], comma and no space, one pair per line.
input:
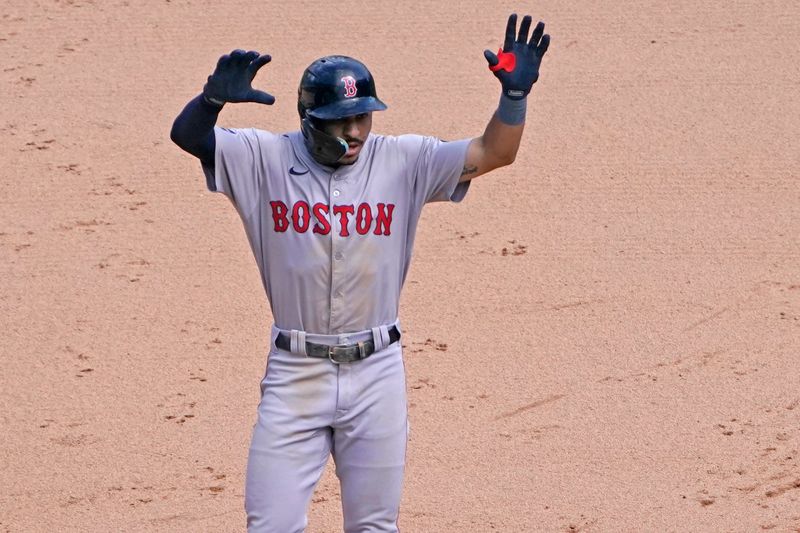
[325,149]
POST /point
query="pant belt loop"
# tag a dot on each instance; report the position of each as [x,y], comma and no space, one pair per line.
[298,343]
[380,335]
[377,338]
[385,335]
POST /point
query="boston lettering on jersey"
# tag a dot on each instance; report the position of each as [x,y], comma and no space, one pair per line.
[377,219]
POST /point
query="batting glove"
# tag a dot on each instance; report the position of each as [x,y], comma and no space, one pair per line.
[516,65]
[231,80]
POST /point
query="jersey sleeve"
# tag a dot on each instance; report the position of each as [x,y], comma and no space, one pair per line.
[438,168]
[239,167]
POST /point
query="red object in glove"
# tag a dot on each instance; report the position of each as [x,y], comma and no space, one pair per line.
[505,61]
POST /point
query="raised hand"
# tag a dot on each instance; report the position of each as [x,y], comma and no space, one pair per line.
[516,64]
[231,80]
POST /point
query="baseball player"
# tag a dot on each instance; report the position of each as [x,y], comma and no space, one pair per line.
[330,212]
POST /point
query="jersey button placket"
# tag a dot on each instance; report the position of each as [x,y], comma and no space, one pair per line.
[337,263]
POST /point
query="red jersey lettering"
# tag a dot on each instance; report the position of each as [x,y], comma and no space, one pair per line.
[363,219]
[300,222]
[323,227]
[383,221]
[304,215]
[344,212]
[279,211]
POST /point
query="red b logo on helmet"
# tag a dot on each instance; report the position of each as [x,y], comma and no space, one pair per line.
[349,86]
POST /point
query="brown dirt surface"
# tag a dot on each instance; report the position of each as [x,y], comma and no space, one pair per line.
[603,336]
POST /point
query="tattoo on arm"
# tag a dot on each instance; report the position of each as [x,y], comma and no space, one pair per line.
[469,169]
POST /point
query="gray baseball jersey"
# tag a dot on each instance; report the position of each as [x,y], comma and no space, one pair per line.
[333,246]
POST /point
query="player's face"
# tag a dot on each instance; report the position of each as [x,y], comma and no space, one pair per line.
[354,130]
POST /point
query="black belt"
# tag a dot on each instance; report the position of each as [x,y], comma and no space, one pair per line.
[342,353]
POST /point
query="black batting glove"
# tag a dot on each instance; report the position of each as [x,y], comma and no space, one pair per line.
[231,80]
[516,65]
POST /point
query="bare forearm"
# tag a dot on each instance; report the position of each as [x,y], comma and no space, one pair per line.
[503,134]
[498,145]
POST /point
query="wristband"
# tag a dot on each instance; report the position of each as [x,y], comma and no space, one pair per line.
[217,104]
[512,112]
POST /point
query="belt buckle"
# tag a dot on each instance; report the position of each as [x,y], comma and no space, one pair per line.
[333,351]
[345,349]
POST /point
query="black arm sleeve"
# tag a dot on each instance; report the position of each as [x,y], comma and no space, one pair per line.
[193,129]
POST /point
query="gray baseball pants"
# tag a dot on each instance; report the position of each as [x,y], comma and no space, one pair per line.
[313,408]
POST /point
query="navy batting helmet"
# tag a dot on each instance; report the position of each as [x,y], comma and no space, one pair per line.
[336,87]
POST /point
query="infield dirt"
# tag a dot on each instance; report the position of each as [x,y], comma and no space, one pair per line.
[602,337]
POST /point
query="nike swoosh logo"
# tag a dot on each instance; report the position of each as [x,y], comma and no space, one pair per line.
[297,172]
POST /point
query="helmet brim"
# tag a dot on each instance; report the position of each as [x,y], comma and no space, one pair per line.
[347,108]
